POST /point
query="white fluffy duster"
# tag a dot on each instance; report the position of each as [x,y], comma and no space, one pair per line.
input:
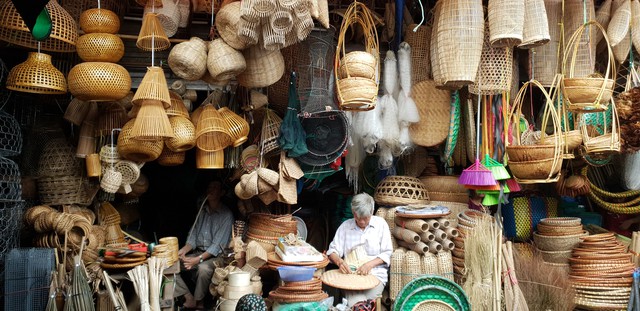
[389,120]
[390,74]
[404,67]
[407,110]
[367,127]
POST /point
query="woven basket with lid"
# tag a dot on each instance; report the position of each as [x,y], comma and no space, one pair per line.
[401,190]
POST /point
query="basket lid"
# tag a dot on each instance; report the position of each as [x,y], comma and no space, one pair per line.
[337,279]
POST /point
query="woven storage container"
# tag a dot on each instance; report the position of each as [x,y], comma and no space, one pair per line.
[544,58]
[37,75]
[99,21]
[401,190]
[188,59]
[445,188]
[185,134]
[434,107]
[58,159]
[99,81]
[358,64]
[64,31]
[263,67]
[61,190]
[168,15]
[536,26]
[223,61]
[506,22]
[494,74]
[100,47]
[419,40]
[460,39]
[209,159]
[357,92]
[170,158]
[137,150]
[227,23]
[238,127]
[211,131]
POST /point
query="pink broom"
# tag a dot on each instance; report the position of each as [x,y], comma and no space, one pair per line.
[477,174]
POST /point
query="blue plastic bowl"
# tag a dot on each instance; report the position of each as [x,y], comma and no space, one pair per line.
[296,273]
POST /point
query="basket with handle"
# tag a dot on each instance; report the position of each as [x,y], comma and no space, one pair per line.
[357,93]
[587,94]
[609,139]
[543,168]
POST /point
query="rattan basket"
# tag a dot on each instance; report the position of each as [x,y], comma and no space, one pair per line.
[238,127]
[228,23]
[401,190]
[37,75]
[86,140]
[168,16]
[209,159]
[99,81]
[506,22]
[58,159]
[434,107]
[137,150]
[185,135]
[188,59]
[170,158]
[536,26]
[223,61]
[99,21]
[100,47]
[211,131]
[496,61]
[110,181]
[263,67]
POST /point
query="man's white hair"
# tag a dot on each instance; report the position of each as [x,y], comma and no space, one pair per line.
[362,205]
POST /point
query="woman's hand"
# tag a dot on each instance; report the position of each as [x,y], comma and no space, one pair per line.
[364,269]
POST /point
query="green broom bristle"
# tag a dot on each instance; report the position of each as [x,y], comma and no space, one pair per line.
[498,170]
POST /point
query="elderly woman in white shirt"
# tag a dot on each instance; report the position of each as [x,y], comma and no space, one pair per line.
[373,233]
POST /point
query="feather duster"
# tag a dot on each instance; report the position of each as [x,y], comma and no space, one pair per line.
[385,156]
[404,67]
[390,73]
[407,110]
[389,120]
[368,127]
[354,158]
[405,143]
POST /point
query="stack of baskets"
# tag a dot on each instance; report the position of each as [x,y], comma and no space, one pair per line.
[601,273]
[305,291]
[556,237]
[167,248]
[407,265]
[110,218]
[265,229]
[466,222]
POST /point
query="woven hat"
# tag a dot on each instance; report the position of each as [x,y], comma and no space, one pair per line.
[327,135]
[263,67]
[37,75]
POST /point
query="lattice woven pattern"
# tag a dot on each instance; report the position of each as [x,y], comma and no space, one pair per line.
[63,190]
[137,150]
[100,47]
[10,222]
[401,190]
[506,20]
[10,135]
[37,75]
[58,159]
[420,45]
[99,21]
[99,81]
[185,134]
[27,278]
[77,7]
[494,74]
[10,182]
[315,79]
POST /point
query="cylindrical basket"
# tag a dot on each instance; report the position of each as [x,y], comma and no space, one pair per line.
[506,22]
[211,131]
[496,63]
[209,159]
[94,168]
[188,59]
[536,26]
[419,40]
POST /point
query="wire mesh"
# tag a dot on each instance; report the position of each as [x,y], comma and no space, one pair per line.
[27,276]
[315,71]
[10,135]
[10,182]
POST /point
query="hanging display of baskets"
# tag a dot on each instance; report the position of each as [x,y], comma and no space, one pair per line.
[99,81]
[37,75]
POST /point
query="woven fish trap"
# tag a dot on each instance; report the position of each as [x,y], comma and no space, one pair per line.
[99,81]
[272,40]
[494,74]
[209,159]
[177,107]
[168,16]
[58,159]
[536,26]
[401,190]
[112,116]
[270,133]
[99,21]
[64,32]
[86,140]
[61,190]
[100,47]
[170,158]
[10,135]
[228,24]
[281,21]
[37,75]
[185,135]
[544,58]
[249,32]
[574,18]
[434,59]
[357,93]
[434,107]
[211,133]
[224,62]
[459,46]
[137,150]
[619,24]
[238,127]
[506,22]
[420,42]
[188,59]
[153,87]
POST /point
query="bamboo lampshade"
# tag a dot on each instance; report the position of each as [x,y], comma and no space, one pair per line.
[137,150]
[153,86]
[209,160]
[184,134]
[37,75]
[152,36]
[238,127]
[99,81]
[99,21]
[64,32]
[212,133]
[177,106]
[151,122]
[170,158]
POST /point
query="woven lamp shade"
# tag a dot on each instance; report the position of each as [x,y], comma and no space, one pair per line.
[100,47]
[99,21]
[137,150]
[212,133]
[37,75]
[237,125]
[64,32]
[209,160]
[263,67]
[76,111]
[152,122]
[153,86]
[177,106]
[99,81]
[151,30]
[112,116]
[170,158]
[184,135]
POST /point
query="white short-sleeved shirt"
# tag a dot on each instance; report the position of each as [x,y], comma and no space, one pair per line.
[376,238]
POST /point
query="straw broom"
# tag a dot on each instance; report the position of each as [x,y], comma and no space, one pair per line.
[51,303]
[156,266]
[79,297]
[140,278]
[480,263]
[117,305]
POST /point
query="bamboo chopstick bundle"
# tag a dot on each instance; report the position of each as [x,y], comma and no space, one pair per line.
[156,266]
[140,278]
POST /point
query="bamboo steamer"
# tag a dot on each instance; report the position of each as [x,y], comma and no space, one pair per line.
[188,59]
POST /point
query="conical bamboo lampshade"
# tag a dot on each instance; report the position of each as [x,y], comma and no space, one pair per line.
[152,122]
[177,106]
[237,126]
[209,160]
[153,86]
[211,131]
[37,75]
[152,37]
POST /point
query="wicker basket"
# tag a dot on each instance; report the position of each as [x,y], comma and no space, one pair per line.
[354,92]
[170,158]
[209,159]
[506,21]
[555,256]
[153,87]
[263,67]
[76,111]
[238,127]
[223,61]
[177,106]
[228,23]
[609,140]
[496,62]
[152,36]
[100,47]
[401,190]
[137,150]
[434,107]
[99,21]
[359,64]
[536,26]
[58,159]
[185,134]
[99,81]
[188,59]
[211,131]
[419,40]
[37,75]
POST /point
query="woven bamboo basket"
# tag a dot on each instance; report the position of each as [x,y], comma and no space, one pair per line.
[419,40]
[94,168]
[415,225]
[137,150]
[152,36]
[188,59]
[459,45]
[61,190]
[37,75]
[228,23]
[401,190]
[110,181]
[64,31]
[238,127]
[209,159]
[99,21]
[58,159]
[185,135]
[434,107]
[130,171]
[434,59]
[609,140]
[153,87]
[496,62]
[100,47]
[359,64]
[572,139]
[410,267]
[270,133]
[263,67]
[76,111]
[168,16]
[86,140]
[542,168]
[281,21]
[99,81]
[223,61]
[506,22]
[354,92]
[170,158]
[211,131]
[619,24]
[406,235]
[177,107]
[396,271]
[109,154]
[250,32]
[544,59]
[151,122]
[536,26]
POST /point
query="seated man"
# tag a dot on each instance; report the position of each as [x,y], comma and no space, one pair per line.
[371,232]
[210,233]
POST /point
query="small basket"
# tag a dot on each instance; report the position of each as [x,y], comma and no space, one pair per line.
[99,81]
[137,150]
[228,23]
[185,134]
[109,154]
[223,61]
[557,243]
[100,47]
[358,64]
[256,255]
[76,111]
[111,181]
[358,94]
[99,21]
[401,190]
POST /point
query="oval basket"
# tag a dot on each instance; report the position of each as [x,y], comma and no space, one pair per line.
[99,21]
[100,47]
[99,81]
[401,190]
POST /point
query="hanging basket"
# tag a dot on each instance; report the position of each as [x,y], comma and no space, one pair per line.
[37,75]
[419,40]
[99,81]
[270,133]
[100,47]
[223,61]
[209,159]
[357,76]
[536,26]
[494,74]
[211,131]
[168,16]
[185,135]
[535,163]
[137,150]
[99,21]
[609,139]
[237,126]
[506,21]
[188,59]
[587,94]
[544,58]
[228,24]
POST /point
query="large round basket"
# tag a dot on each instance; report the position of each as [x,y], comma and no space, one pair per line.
[434,107]
[227,23]
[401,190]
[188,59]
[99,81]
[137,150]
[557,243]
[37,75]
[263,67]
[99,21]
[100,47]
[223,61]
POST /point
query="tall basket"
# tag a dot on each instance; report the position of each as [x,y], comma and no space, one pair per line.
[587,94]
[534,163]
[357,91]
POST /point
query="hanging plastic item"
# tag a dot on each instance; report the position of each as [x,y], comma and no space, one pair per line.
[292,136]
